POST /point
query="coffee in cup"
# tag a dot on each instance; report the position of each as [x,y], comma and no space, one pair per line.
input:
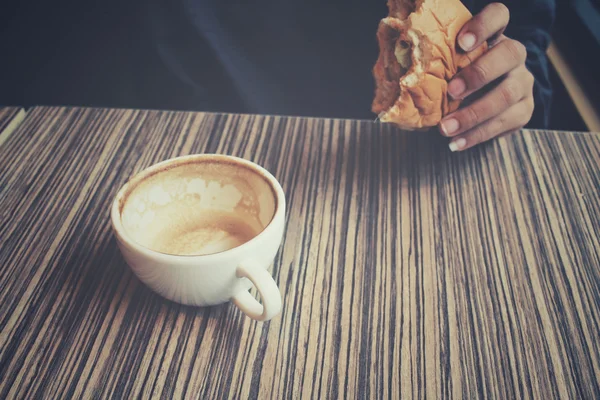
[202,229]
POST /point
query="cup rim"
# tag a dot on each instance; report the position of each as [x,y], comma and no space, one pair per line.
[118,202]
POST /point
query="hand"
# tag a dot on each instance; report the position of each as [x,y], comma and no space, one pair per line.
[498,80]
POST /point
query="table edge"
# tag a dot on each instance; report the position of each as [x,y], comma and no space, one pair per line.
[221,113]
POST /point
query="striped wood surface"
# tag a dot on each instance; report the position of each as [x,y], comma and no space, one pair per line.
[406,271]
[10,118]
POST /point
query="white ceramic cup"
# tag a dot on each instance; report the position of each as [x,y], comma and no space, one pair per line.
[202,229]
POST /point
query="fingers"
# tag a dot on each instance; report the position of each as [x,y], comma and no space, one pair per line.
[517,85]
[485,26]
[506,102]
[509,120]
[498,61]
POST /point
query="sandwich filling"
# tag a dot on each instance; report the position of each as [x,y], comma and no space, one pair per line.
[402,59]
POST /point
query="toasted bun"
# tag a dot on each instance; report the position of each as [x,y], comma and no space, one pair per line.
[417,58]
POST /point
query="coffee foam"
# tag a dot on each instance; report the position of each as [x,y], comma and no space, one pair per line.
[199,207]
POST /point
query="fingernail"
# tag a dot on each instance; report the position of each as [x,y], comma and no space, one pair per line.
[467,41]
[458,144]
[449,126]
[457,87]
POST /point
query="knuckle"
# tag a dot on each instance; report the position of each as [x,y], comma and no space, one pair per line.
[523,116]
[530,79]
[482,133]
[517,50]
[496,127]
[510,92]
[471,116]
[479,73]
[531,104]
[476,136]
[477,25]
[501,10]
[493,15]
[529,108]
[487,130]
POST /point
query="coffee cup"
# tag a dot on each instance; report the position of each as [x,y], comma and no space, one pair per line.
[202,230]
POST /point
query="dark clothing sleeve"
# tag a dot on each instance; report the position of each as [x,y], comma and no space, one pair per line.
[531,25]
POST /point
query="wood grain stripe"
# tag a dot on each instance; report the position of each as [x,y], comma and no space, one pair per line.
[10,118]
[407,271]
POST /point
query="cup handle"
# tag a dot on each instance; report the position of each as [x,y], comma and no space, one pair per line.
[267,288]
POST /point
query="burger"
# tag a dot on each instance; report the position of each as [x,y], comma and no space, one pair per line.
[417,59]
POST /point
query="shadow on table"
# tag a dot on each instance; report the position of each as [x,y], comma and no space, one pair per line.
[109,291]
[415,156]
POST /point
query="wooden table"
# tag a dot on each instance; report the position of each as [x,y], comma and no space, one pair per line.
[406,270]
[10,118]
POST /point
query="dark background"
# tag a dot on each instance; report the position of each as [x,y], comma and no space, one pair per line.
[68,53]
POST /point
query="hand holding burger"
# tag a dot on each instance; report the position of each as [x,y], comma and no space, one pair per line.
[499,77]
[422,75]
